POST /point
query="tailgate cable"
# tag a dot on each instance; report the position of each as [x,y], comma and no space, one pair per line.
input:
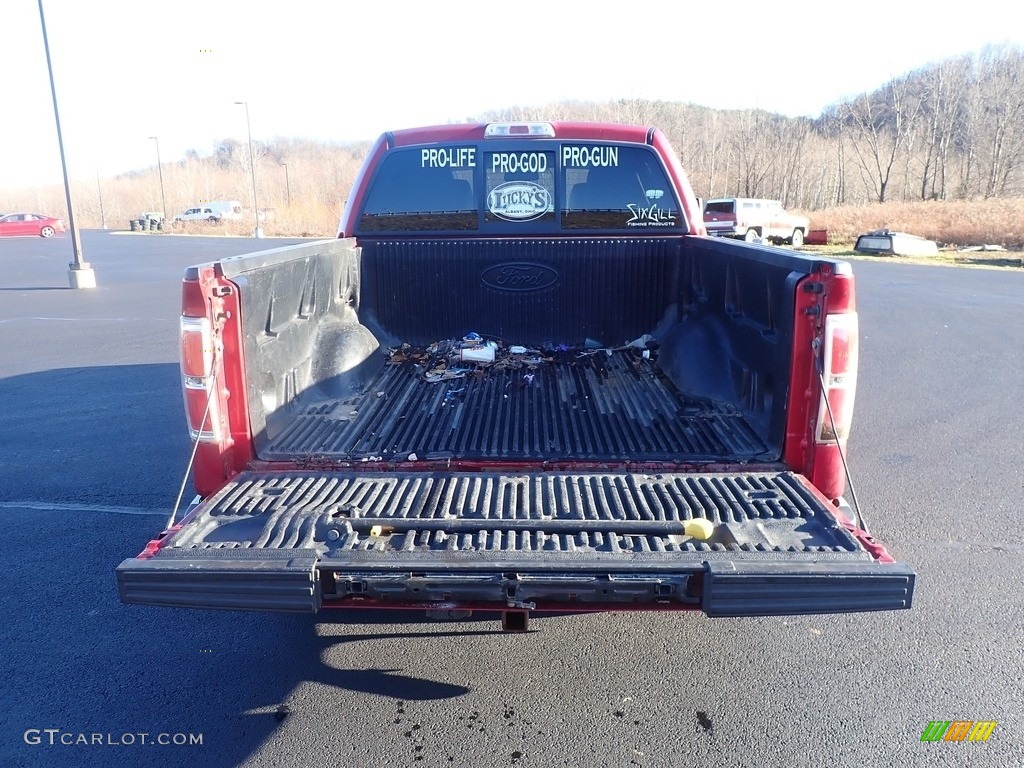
[195,445]
[859,517]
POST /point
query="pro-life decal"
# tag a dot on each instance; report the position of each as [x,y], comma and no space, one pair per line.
[448,157]
[519,201]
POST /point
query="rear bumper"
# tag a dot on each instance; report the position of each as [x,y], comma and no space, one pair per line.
[720,588]
[782,589]
[726,231]
[271,583]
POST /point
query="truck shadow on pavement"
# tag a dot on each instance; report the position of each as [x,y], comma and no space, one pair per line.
[106,434]
[97,455]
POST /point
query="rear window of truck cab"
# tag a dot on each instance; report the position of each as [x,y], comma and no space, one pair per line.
[720,206]
[525,187]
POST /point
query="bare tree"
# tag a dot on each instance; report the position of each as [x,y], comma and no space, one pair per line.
[751,145]
[1002,85]
[880,124]
[794,138]
[833,127]
[944,86]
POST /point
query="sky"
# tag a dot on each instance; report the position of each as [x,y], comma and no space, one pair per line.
[338,70]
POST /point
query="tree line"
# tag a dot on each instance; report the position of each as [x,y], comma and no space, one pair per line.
[948,130]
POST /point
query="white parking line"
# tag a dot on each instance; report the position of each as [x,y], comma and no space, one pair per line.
[89,319]
[42,506]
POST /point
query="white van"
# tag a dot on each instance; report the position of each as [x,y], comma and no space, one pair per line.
[213,210]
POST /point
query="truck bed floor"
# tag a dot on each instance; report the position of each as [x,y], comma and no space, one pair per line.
[599,407]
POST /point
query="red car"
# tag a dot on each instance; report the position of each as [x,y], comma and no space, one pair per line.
[14,224]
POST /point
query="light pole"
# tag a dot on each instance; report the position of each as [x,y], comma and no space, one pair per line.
[160,168]
[252,169]
[287,185]
[80,273]
[99,192]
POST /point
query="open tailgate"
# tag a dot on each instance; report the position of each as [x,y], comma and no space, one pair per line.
[305,540]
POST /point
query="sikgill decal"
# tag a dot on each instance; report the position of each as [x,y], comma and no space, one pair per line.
[519,276]
[518,201]
[652,215]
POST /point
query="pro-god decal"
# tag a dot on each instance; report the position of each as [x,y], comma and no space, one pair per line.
[590,157]
[448,157]
[519,276]
[518,201]
[519,162]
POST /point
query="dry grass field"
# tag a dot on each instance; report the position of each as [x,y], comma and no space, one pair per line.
[953,223]
[318,191]
[972,233]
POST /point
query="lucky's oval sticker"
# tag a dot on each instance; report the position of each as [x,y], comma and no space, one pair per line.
[519,201]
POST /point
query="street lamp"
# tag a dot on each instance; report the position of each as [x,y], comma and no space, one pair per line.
[287,185]
[252,169]
[160,168]
[99,191]
[80,273]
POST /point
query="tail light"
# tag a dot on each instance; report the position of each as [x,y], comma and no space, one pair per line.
[213,379]
[839,370]
[197,378]
[824,375]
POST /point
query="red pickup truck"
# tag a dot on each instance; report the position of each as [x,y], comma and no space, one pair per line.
[522,378]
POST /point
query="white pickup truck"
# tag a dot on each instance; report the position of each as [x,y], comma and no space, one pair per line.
[752,220]
[213,211]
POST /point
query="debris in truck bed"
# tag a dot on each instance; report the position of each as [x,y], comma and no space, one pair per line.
[699,528]
[580,404]
[474,355]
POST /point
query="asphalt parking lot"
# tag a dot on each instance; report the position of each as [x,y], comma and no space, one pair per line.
[92,450]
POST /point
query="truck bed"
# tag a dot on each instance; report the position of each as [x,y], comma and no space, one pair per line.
[590,405]
[319,323]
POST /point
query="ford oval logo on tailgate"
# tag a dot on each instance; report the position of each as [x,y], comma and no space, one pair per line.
[519,277]
[519,201]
